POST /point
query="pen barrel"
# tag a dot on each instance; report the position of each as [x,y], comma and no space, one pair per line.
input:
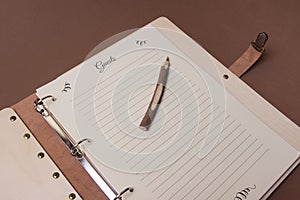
[153,106]
[163,74]
[157,96]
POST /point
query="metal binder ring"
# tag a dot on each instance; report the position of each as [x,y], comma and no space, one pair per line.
[39,101]
[120,195]
[75,151]
[39,105]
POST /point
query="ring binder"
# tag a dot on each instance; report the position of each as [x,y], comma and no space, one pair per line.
[120,195]
[75,151]
[73,146]
[39,105]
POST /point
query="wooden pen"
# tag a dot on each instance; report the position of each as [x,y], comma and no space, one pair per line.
[157,96]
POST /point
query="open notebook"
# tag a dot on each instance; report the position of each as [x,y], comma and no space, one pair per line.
[212,137]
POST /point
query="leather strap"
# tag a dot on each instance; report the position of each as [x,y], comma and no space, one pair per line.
[250,56]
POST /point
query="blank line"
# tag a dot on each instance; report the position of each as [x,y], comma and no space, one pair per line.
[218,165]
[190,169]
[244,172]
[234,171]
[185,152]
[210,161]
[229,166]
[191,157]
[182,165]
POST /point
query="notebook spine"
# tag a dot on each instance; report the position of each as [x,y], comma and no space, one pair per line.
[76,151]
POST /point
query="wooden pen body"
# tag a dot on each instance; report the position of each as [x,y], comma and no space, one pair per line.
[157,96]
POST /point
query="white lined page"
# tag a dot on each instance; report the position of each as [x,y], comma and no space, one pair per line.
[239,158]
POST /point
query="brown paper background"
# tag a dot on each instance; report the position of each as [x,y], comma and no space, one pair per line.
[39,40]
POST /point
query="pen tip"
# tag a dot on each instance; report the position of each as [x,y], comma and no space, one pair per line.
[168,59]
[143,128]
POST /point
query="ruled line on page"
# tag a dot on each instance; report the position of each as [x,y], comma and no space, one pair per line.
[231,164]
[144,178]
[234,182]
[189,162]
[196,174]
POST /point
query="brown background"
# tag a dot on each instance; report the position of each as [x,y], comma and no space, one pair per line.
[39,40]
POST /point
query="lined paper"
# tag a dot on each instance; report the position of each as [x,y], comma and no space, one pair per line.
[195,114]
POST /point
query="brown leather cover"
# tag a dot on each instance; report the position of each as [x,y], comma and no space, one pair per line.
[42,39]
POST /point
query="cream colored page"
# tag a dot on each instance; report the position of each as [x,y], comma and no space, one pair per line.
[62,89]
[248,155]
[244,148]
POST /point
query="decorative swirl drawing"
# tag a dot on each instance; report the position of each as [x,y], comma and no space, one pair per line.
[243,194]
[141,42]
[67,87]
